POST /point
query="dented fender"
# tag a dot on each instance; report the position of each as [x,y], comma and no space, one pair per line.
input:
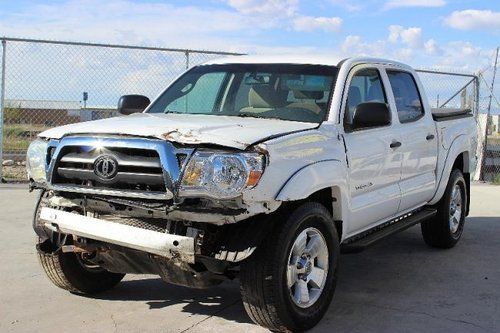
[312,178]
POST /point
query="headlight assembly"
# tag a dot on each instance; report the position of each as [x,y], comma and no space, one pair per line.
[221,175]
[36,160]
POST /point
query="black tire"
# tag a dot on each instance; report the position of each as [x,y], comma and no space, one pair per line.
[263,277]
[438,232]
[67,271]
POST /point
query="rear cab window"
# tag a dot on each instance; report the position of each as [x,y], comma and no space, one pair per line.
[406,96]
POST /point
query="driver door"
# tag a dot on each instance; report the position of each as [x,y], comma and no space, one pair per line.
[374,164]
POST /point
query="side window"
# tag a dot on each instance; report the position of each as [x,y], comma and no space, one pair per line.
[201,98]
[365,86]
[406,95]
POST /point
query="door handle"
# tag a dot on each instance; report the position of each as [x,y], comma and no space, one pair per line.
[395,144]
[429,137]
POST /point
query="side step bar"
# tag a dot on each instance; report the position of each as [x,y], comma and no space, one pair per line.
[162,244]
[359,242]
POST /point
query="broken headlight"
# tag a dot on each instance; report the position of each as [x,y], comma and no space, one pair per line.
[36,160]
[221,175]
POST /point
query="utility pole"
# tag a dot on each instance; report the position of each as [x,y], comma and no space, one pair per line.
[485,144]
[85,98]
[493,82]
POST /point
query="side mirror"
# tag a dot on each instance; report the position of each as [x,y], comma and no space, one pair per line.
[129,104]
[371,114]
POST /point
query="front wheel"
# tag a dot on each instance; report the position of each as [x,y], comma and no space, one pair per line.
[445,229]
[288,283]
[70,271]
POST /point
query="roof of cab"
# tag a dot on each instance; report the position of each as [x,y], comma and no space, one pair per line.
[303,59]
[276,59]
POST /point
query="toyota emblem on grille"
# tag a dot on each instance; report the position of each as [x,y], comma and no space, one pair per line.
[105,167]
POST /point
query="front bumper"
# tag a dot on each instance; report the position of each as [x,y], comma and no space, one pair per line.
[162,244]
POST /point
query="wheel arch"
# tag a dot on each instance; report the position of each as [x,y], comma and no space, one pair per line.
[461,162]
[323,182]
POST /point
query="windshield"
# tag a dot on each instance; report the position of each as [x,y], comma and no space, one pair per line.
[287,92]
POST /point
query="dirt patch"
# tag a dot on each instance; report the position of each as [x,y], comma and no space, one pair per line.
[15,173]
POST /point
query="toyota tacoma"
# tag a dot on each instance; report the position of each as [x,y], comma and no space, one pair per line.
[258,168]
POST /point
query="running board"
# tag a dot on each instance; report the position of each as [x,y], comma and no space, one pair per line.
[359,242]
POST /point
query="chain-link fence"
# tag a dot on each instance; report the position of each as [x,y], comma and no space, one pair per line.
[458,90]
[489,121]
[48,84]
[454,90]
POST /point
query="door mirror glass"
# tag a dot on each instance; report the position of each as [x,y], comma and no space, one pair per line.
[371,114]
[129,104]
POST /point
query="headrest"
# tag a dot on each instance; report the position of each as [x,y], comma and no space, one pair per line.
[303,94]
[375,92]
[354,96]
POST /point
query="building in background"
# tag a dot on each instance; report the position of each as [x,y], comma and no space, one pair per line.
[44,113]
[41,113]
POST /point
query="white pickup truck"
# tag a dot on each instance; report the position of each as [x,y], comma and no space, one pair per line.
[258,168]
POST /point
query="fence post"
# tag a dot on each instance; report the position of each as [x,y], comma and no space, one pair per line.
[187,59]
[2,102]
[478,87]
[479,148]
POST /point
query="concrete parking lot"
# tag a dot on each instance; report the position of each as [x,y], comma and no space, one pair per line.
[398,285]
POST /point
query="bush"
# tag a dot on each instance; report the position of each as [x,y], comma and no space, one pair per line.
[12,115]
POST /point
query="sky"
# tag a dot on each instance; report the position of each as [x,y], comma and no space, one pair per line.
[444,33]
[458,35]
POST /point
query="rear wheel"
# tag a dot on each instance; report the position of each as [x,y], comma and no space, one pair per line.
[445,228]
[288,283]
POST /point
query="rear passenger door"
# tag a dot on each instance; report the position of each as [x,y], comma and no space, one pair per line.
[373,166]
[418,140]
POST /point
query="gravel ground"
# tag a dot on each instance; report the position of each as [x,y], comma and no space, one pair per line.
[399,285]
[14,173]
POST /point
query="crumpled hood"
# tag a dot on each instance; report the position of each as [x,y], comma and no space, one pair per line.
[235,132]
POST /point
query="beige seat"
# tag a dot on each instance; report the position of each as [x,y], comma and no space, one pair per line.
[308,100]
[262,98]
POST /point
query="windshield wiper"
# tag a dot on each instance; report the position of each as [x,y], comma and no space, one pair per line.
[175,112]
[245,115]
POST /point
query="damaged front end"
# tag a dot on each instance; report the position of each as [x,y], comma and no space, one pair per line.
[137,205]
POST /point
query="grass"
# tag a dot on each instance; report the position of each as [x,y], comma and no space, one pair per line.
[15,144]
[17,137]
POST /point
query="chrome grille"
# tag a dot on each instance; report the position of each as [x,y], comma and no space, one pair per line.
[136,168]
[145,168]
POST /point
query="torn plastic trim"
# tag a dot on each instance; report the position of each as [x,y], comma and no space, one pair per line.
[212,212]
